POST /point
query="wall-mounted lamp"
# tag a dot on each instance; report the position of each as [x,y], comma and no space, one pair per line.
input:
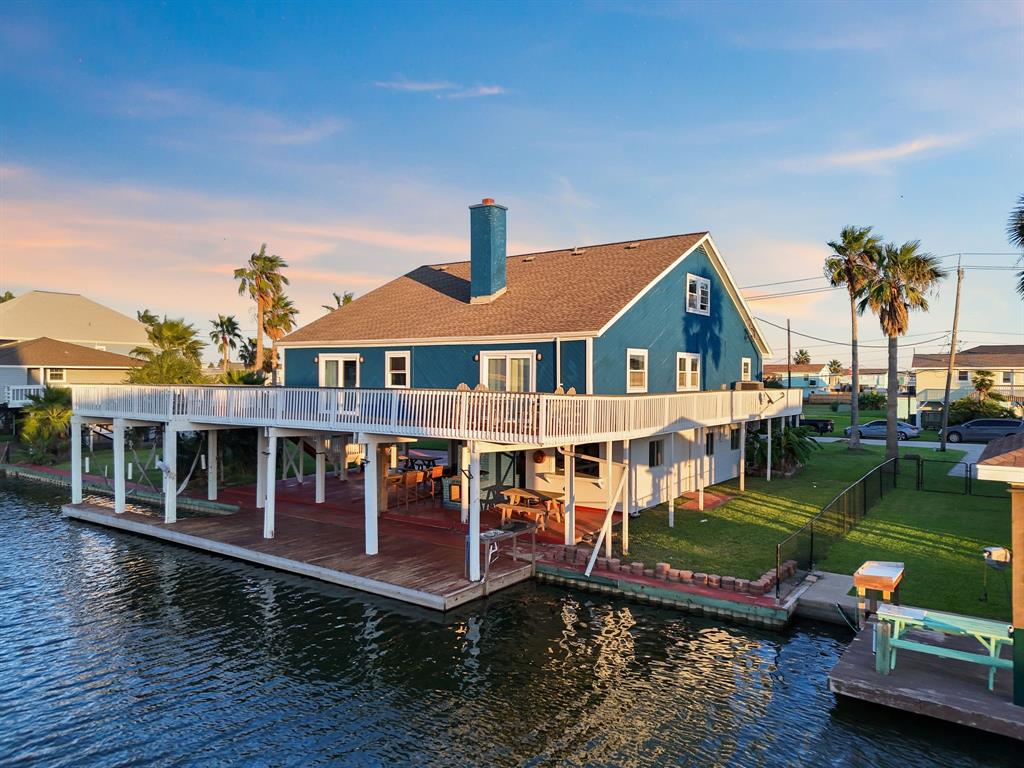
[361,360]
[316,359]
[476,358]
[540,356]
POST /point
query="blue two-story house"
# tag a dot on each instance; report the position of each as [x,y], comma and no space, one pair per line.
[651,316]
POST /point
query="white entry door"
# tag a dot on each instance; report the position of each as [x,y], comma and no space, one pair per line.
[508,371]
[339,371]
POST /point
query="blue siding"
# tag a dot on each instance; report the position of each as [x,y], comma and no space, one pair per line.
[659,323]
[574,365]
[433,366]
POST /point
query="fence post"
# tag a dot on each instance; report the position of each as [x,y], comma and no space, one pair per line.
[967,479]
[778,571]
[810,561]
[920,473]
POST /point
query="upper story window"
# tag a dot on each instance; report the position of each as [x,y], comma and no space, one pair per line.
[745,369]
[963,375]
[1007,377]
[55,374]
[508,371]
[396,370]
[636,370]
[698,295]
[339,370]
[687,372]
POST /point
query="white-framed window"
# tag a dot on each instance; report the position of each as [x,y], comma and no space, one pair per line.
[397,370]
[512,371]
[1007,377]
[339,370]
[636,370]
[745,368]
[698,295]
[687,372]
[655,453]
[963,375]
[56,374]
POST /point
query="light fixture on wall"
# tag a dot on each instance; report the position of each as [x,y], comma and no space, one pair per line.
[361,360]
[316,359]
[540,356]
[476,358]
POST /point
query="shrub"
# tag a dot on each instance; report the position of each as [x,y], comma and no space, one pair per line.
[791,448]
[834,407]
[872,401]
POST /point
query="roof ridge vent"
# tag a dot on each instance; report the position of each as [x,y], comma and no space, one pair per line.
[527,259]
[576,250]
[442,268]
[632,246]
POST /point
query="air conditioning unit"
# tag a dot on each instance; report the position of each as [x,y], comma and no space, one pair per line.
[744,385]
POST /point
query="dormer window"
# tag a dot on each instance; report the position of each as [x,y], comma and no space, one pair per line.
[698,295]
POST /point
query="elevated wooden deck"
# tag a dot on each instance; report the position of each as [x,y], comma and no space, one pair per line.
[419,562]
[954,691]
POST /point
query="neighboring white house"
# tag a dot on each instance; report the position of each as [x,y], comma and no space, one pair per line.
[27,366]
[72,318]
[810,377]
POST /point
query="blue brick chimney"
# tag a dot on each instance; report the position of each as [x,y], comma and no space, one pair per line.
[487,251]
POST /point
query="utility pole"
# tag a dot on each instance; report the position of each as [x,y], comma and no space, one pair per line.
[789,358]
[952,358]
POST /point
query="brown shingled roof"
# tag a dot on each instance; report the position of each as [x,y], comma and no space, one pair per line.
[980,357]
[1005,451]
[777,368]
[553,292]
[51,353]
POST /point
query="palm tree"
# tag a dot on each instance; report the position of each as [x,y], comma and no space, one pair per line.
[983,381]
[46,421]
[261,278]
[340,300]
[835,370]
[226,335]
[802,357]
[1015,234]
[851,266]
[280,321]
[6,297]
[146,317]
[171,335]
[902,279]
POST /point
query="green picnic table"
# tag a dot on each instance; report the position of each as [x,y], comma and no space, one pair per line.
[894,622]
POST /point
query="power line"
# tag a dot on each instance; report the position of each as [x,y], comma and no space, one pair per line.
[782,282]
[840,343]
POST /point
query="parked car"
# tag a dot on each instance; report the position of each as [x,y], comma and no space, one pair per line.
[879,427]
[983,430]
[821,426]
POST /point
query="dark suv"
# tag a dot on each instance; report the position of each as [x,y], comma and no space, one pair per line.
[983,430]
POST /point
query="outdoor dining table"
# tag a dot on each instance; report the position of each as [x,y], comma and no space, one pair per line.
[551,500]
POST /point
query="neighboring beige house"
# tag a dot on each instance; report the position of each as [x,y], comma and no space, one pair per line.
[1005,361]
[27,365]
[69,317]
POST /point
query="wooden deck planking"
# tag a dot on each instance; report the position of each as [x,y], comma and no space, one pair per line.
[415,564]
[954,691]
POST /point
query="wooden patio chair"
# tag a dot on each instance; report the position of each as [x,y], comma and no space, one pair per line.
[410,484]
[434,479]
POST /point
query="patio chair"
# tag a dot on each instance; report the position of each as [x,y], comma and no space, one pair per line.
[410,483]
[434,478]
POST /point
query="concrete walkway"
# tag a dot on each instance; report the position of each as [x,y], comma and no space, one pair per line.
[823,598]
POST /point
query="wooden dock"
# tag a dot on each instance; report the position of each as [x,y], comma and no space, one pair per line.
[419,564]
[954,691]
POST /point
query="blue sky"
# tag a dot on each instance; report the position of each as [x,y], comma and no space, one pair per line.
[146,150]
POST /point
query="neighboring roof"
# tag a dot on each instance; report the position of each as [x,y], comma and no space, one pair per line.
[51,353]
[980,357]
[782,368]
[564,292]
[68,317]
[1004,452]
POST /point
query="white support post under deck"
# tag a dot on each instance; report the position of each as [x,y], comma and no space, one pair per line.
[570,497]
[261,467]
[119,486]
[370,500]
[464,484]
[170,474]
[211,465]
[768,468]
[673,484]
[474,516]
[270,462]
[743,455]
[611,496]
[702,467]
[627,507]
[321,469]
[76,460]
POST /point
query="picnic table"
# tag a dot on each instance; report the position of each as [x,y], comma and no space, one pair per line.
[531,504]
[894,622]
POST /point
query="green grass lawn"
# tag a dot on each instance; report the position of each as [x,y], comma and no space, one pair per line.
[842,420]
[939,537]
[739,537]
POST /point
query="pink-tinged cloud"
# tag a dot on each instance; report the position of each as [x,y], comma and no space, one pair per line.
[874,159]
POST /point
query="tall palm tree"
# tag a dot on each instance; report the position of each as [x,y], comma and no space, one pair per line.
[802,357]
[261,279]
[227,336]
[835,370]
[902,279]
[171,335]
[851,265]
[1015,234]
[280,321]
[340,300]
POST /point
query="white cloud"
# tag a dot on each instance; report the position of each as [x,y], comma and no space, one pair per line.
[477,91]
[442,89]
[873,159]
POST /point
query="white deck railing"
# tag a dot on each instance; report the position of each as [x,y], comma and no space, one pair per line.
[17,396]
[1011,392]
[501,417]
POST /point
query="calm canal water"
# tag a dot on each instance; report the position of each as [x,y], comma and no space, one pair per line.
[121,651]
